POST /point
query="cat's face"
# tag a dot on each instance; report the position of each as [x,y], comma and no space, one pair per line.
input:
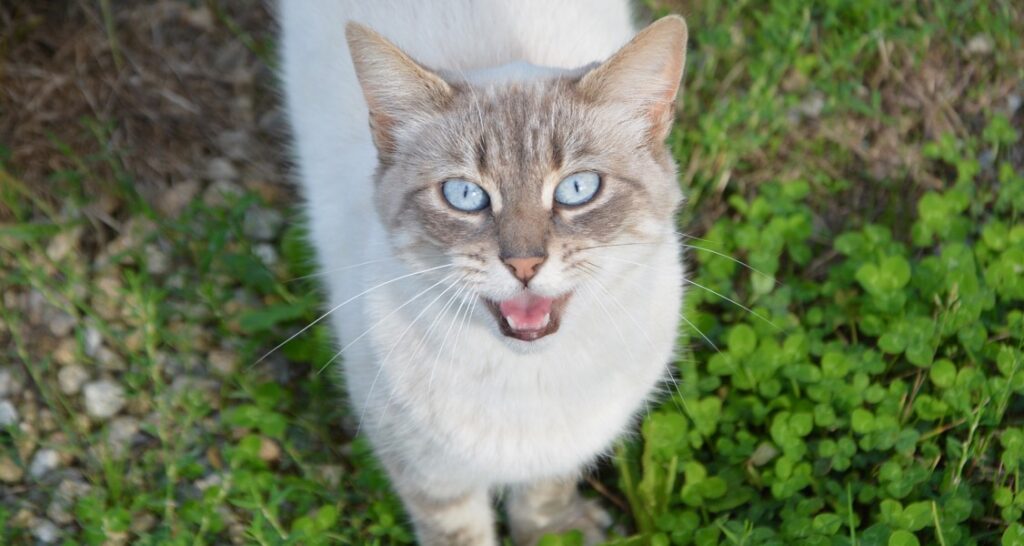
[535,191]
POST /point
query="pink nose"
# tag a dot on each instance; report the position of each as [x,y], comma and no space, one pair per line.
[524,268]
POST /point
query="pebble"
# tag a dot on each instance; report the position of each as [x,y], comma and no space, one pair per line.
[980,45]
[64,354]
[8,384]
[262,224]
[266,253]
[223,361]
[1013,102]
[63,243]
[10,472]
[60,323]
[173,201]
[43,462]
[93,340]
[157,261]
[109,359]
[235,144]
[269,450]
[103,398]
[221,168]
[120,433]
[70,379]
[45,531]
[8,414]
[219,192]
[143,523]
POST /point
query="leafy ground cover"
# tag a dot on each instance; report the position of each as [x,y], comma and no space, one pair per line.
[855,173]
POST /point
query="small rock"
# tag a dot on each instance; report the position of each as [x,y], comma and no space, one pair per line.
[109,359]
[220,168]
[43,462]
[269,450]
[9,471]
[235,144]
[64,354]
[143,523]
[120,433]
[45,531]
[177,197]
[58,512]
[60,323]
[70,379]
[207,482]
[157,261]
[329,474]
[63,243]
[93,340]
[262,224]
[1013,102]
[8,382]
[980,44]
[8,414]
[103,398]
[266,253]
[200,17]
[224,362]
[220,192]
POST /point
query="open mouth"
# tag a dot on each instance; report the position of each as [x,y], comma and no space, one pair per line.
[528,317]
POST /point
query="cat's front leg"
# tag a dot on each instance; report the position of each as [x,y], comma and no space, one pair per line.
[554,506]
[463,519]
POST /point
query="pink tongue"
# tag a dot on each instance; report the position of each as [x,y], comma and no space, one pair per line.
[526,311]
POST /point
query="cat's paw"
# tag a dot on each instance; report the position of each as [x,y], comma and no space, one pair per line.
[585,516]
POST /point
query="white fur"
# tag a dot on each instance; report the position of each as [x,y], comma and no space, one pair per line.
[495,411]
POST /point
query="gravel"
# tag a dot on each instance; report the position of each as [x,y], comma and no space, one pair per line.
[70,379]
[103,398]
[10,472]
[45,531]
[8,414]
[221,168]
[9,384]
[44,461]
[120,434]
[262,224]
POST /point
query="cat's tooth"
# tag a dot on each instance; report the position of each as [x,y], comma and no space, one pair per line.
[547,319]
[512,323]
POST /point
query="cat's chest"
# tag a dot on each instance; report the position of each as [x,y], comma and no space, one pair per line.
[530,415]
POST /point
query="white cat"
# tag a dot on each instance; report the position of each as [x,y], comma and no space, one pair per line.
[493,211]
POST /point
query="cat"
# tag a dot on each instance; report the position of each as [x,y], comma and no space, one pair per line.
[492,205]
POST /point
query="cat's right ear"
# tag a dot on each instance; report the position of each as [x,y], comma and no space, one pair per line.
[397,89]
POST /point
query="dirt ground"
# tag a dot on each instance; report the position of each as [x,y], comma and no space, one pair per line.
[176,87]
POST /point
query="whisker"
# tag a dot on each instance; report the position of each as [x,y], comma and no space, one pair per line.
[642,331]
[682,317]
[339,269]
[739,262]
[698,285]
[342,304]
[387,357]
[420,345]
[381,321]
[462,302]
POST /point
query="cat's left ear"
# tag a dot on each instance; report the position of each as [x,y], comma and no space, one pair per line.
[644,74]
[397,89]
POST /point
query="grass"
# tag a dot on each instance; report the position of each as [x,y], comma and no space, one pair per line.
[862,158]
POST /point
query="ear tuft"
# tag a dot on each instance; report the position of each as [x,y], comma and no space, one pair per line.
[397,88]
[645,73]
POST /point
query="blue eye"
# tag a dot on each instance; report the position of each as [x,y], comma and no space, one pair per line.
[465,195]
[577,189]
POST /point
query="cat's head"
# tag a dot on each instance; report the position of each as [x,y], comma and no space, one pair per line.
[532,188]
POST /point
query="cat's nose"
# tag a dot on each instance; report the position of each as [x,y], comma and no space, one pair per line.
[524,268]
